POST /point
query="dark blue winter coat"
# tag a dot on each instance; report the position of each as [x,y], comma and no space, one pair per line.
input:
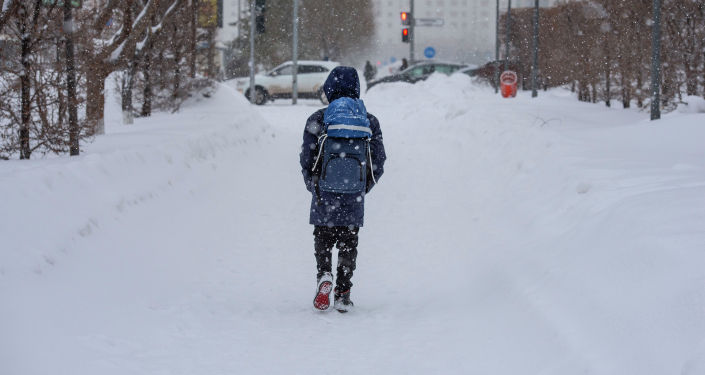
[331,209]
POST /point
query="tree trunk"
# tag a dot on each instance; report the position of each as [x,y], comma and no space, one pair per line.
[640,95]
[177,73]
[25,150]
[608,93]
[95,98]
[211,53]
[147,104]
[691,79]
[626,94]
[128,81]
[626,98]
[194,24]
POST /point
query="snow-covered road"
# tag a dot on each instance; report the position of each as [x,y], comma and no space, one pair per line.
[527,236]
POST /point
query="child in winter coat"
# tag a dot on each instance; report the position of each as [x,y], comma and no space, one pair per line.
[337,217]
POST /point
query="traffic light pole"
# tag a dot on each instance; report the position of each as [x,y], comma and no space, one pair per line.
[506,42]
[252,52]
[411,31]
[496,52]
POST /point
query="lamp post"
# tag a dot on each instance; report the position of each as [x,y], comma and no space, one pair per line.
[656,63]
[535,67]
[71,80]
[295,85]
[253,91]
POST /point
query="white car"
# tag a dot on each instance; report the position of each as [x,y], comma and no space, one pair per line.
[278,84]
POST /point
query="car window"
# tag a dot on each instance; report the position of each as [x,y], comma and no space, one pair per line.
[284,71]
[445,69]
[417,72]
[308,69]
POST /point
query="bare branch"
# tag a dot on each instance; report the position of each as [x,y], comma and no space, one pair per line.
[7,10]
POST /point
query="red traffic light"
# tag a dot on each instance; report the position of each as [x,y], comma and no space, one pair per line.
[405,18]
[405,35]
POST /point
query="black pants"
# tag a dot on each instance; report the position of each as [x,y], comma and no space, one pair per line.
[345,239]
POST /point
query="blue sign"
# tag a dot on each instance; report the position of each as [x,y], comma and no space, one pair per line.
[393,60]
[429,52]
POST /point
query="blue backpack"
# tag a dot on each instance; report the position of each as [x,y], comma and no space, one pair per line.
[344,148]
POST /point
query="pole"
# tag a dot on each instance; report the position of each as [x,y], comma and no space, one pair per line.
[535,67]
[506,42]
[253,91]
[656,63]
[239,21]
[71,81]
[295,84]
[496,52]
[411,31]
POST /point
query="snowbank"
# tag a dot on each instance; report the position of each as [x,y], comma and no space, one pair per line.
[692,104]
[50,204]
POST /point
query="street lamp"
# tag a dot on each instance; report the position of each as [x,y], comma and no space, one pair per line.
[656,62]
[535,67]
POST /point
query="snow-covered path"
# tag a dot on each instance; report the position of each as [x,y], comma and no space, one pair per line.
[532,237]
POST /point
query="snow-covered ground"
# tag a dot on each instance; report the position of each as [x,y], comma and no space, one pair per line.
[526,236]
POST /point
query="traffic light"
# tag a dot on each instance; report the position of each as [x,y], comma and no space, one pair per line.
[259,16]
[405,18]
[405,35]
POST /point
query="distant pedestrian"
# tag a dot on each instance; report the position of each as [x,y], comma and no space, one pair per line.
[342,158]
[404,64]
[370,71]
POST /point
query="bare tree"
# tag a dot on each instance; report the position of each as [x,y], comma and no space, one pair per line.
[117,48]
[595,44]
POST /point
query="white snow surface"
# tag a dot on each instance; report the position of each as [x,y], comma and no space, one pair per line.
[522,236]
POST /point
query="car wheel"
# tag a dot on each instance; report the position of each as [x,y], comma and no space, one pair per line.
[322,96]
[260,95]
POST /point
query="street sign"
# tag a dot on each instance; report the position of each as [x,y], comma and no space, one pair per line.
[74,3]
[430,22]
[429,52]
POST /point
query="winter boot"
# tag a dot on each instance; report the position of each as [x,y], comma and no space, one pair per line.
[323,290]
[342,301]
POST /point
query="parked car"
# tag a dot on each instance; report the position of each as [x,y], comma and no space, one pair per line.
[277,83]
[418,72]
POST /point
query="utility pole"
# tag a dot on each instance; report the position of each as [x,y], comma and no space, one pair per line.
[535,67]
[496,52]
[74,131]
[295,84]
[656,63]
[506,42]
[411,31]
[253,91]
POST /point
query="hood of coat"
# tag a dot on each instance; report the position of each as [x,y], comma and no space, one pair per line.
[342,82]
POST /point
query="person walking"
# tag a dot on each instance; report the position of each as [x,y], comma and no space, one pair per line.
[370,71]
[342,158]
[404,64]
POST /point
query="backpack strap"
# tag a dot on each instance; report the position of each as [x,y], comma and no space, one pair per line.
[369,155]
[321,139]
